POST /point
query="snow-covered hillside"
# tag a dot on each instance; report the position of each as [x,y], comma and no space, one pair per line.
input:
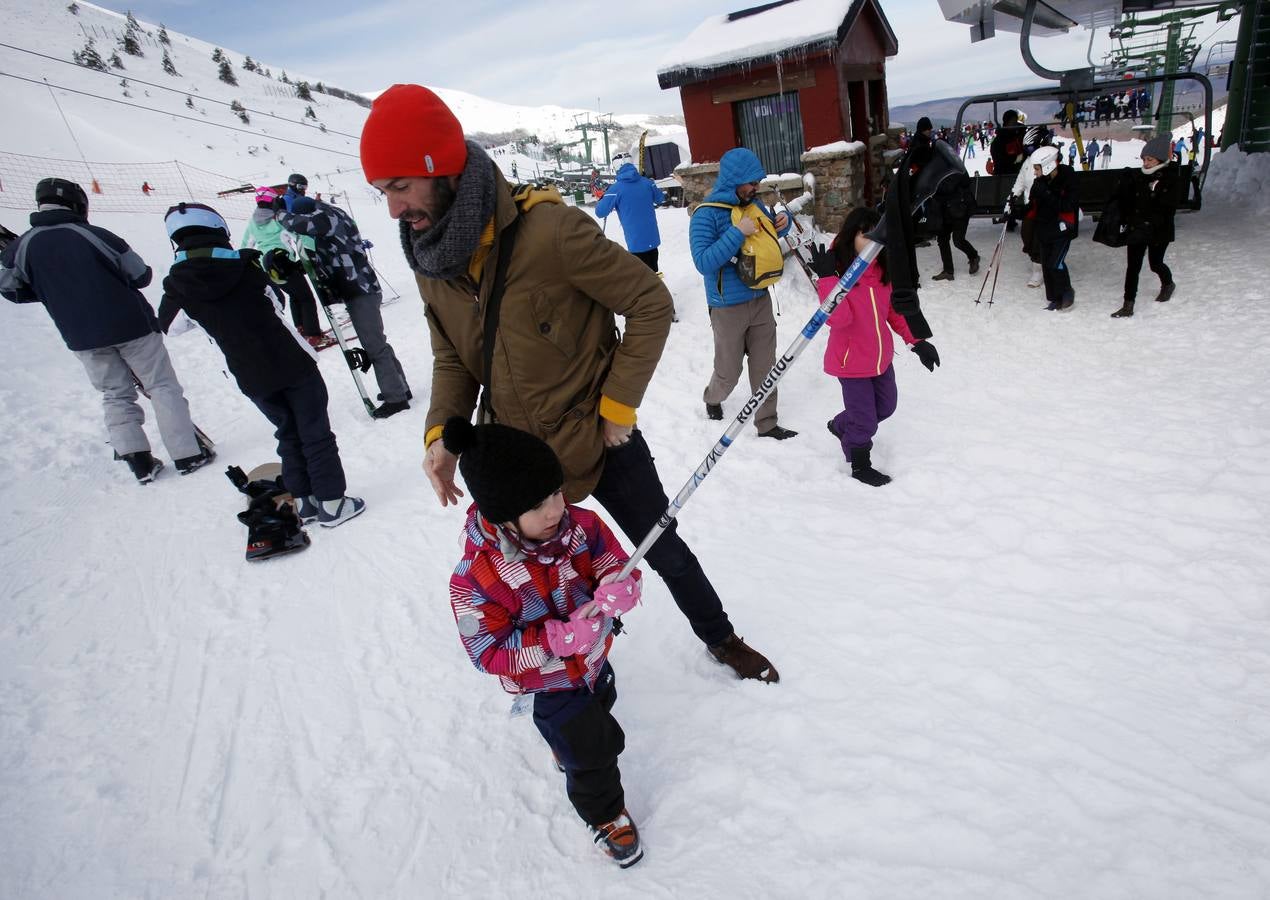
[1036,665]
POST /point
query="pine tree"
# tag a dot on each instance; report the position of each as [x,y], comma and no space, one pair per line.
[115,61]
[241,111]
[249,64]
[89,58]
[131,23]
[320,88]
[309,113]
[284,79]
[189,101]
[217,55]
[163,35]
[302,90]
[268,74]
[168,65]
[227,72]
[73,9]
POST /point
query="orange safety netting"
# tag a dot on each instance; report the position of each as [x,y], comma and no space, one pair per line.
[124,187]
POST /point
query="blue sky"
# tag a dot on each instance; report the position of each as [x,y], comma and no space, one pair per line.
[580,54]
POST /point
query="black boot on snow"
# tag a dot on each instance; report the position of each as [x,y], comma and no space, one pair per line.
[862,468]
[945,275]
[191,463]
[1166,291]
[143,465]
[390,408]
[1124,312]
[714,412]
[974,265]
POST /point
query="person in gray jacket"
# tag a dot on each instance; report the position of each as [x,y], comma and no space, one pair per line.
[341,259]
[89,279]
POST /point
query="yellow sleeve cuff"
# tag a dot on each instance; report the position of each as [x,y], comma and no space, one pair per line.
[433,433]
[617,413]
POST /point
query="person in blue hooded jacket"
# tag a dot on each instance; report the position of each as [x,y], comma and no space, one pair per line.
[740,317]
[634,197]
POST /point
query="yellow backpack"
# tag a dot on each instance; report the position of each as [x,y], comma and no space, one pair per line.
[759,262]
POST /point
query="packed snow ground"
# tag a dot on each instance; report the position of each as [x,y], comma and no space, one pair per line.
[1033,666]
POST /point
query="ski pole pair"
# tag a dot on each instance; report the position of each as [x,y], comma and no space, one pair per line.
[994,267]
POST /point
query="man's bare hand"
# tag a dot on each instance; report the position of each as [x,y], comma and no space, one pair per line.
[615,435]
[781,220]
[439,465]
[747,225]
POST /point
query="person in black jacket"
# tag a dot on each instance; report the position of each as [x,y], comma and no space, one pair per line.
[89,280]
[1007,149]
[1055,206]
[226,292]
[1148,201]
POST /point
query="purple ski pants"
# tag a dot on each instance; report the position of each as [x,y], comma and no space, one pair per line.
[865,403]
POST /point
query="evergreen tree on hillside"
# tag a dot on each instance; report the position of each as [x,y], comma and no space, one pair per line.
[73,9]
[89,58]
[130,43]
[131,23]
[249,64]
[218,55]
[240,111]
[284,79]
[189,101]
[115,61]
[227,72]
[168,65]
[163,35]
[267,73]
[320,88]
[302,90]
[309,113]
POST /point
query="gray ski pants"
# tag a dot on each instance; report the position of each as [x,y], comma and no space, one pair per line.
[368,322]
[108,369]
[747,329]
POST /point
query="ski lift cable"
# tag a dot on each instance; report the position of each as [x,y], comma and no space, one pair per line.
[164,87]
[162,112]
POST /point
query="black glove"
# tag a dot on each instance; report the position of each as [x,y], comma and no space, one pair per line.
[823,262]
[279,204]
[279,265]
[927,353]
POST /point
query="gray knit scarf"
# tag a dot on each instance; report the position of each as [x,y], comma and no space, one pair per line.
[445,249]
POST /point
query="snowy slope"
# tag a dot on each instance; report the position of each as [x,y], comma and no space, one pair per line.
[1034,666]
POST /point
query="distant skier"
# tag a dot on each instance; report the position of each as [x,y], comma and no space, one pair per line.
[89,280]
[1071,154]
[1106,154]
[860,348]
[635,198]
[1055,206]
[265,234]
[297,186]
[1007,150]
[1091,154]
[1148,202]
[227,293]
[534,598]
[341,257]
[1179,150]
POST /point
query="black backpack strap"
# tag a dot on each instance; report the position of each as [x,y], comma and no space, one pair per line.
[507,241]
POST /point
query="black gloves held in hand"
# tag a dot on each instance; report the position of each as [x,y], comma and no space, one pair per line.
[927,353]
[279,266]
[279,204]
[823,262]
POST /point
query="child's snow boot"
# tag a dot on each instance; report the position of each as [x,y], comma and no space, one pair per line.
[1124,312]
[336,512]
[619,840]
[143,465]
[862,468]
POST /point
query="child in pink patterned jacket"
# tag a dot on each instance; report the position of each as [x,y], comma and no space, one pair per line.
[534,598]
[860,346]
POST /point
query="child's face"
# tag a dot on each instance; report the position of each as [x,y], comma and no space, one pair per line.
[541,522]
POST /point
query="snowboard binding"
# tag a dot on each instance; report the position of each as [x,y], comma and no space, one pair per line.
[273,526]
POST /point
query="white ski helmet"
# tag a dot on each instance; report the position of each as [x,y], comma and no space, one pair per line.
[1046,158]
[192,215]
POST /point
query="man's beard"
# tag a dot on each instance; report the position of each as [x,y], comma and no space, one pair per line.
[443,199]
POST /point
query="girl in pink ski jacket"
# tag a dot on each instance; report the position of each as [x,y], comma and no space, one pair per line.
[860,347]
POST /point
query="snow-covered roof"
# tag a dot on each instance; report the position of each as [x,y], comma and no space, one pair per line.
[762,34]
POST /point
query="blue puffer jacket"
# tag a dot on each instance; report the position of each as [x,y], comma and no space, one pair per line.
[715,240]
[634,196]
[86,277]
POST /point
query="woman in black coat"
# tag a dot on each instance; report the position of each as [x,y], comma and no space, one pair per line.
[1148,201]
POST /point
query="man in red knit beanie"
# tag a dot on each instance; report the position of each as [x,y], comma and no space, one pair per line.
[559,368]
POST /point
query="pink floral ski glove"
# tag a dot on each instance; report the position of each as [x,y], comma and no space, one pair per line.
[577,636]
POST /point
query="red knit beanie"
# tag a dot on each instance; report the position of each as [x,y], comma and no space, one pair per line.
[410,131]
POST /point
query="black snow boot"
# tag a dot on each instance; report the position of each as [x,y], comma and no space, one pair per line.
[945,275]
[974,265]
[862,468]
[714,412]
[390,408]
[1124,312]
[1166,291]
[192,463]
[143,465]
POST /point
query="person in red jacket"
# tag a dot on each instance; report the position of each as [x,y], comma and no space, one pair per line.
[859,349]
[535,597]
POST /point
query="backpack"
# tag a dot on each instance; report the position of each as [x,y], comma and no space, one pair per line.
[759,262]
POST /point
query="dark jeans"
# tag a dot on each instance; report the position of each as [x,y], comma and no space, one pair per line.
[579,727]
[306,445]
[1058,280]
[631,492]
[648,258]
[303,305]
[865,403]
[1155,259]
[956,231]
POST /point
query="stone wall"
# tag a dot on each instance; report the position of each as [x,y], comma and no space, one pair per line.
[839,177]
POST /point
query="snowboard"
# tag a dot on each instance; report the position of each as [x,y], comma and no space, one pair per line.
[273,525]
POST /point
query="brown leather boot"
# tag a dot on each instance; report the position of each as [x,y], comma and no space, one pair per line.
[744,660]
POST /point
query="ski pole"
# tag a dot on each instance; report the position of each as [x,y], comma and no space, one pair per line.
[993,263]
[768,385]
